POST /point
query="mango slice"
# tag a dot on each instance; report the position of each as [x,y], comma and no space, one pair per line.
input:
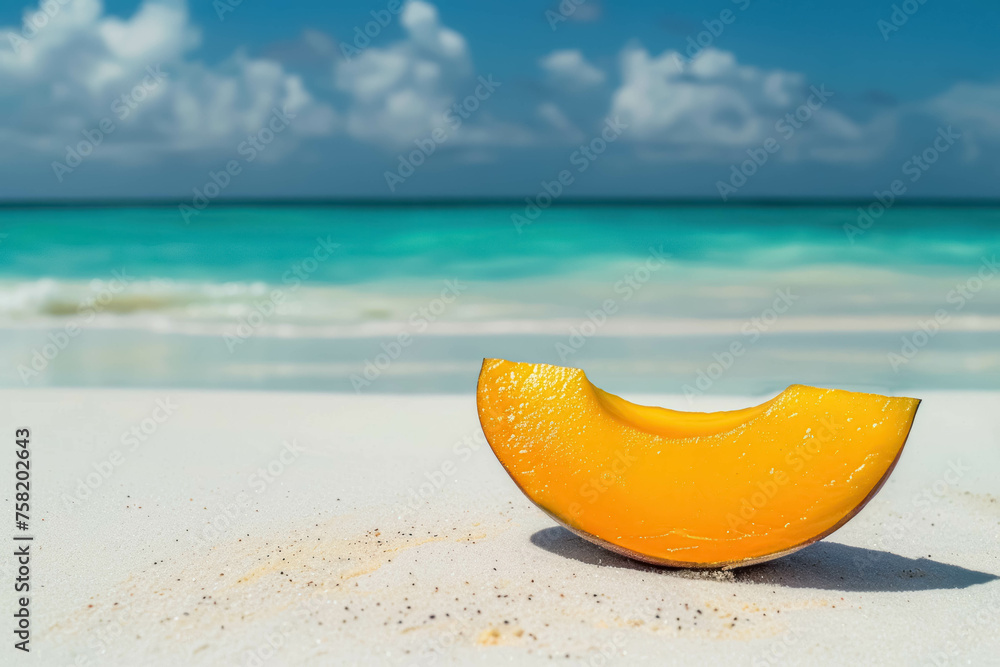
[690,489]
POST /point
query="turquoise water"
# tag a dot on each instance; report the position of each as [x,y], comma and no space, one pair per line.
[660,294]
[243,243]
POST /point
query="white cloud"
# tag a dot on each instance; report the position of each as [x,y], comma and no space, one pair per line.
[973,108]
[569,69]
[69,74]
[421,20]
[404,91]
[717,102]
[830,136]
[64,77]
[157,31]
[714,108]
[407,90]
[224,104]
[558,121]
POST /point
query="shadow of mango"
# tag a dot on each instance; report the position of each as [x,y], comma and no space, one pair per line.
[824,565]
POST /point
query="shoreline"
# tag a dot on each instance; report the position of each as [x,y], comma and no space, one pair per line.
[880,362]
[619,327]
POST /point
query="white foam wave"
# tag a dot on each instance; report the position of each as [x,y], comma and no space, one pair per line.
[487,309]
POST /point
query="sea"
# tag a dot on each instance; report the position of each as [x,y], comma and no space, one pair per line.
[646,298]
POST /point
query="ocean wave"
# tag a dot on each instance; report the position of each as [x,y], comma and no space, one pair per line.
[114,302]
[700,306]
[57,298]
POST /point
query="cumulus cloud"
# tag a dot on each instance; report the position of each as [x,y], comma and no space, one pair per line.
[402,92]
[568,68]
[715,102]
[64,77]
[973,107]
[423,83]
[60,79]
[714,106]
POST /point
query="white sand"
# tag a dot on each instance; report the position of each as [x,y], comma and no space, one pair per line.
[326,562]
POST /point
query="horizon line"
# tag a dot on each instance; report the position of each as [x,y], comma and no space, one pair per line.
[433,202]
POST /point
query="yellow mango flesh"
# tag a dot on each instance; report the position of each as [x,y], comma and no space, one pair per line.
[690,489]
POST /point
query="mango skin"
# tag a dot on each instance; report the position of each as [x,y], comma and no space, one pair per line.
[690,489]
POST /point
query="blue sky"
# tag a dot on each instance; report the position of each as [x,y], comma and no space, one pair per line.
[168,98]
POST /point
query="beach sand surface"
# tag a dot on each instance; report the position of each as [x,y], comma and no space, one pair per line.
[252,528]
